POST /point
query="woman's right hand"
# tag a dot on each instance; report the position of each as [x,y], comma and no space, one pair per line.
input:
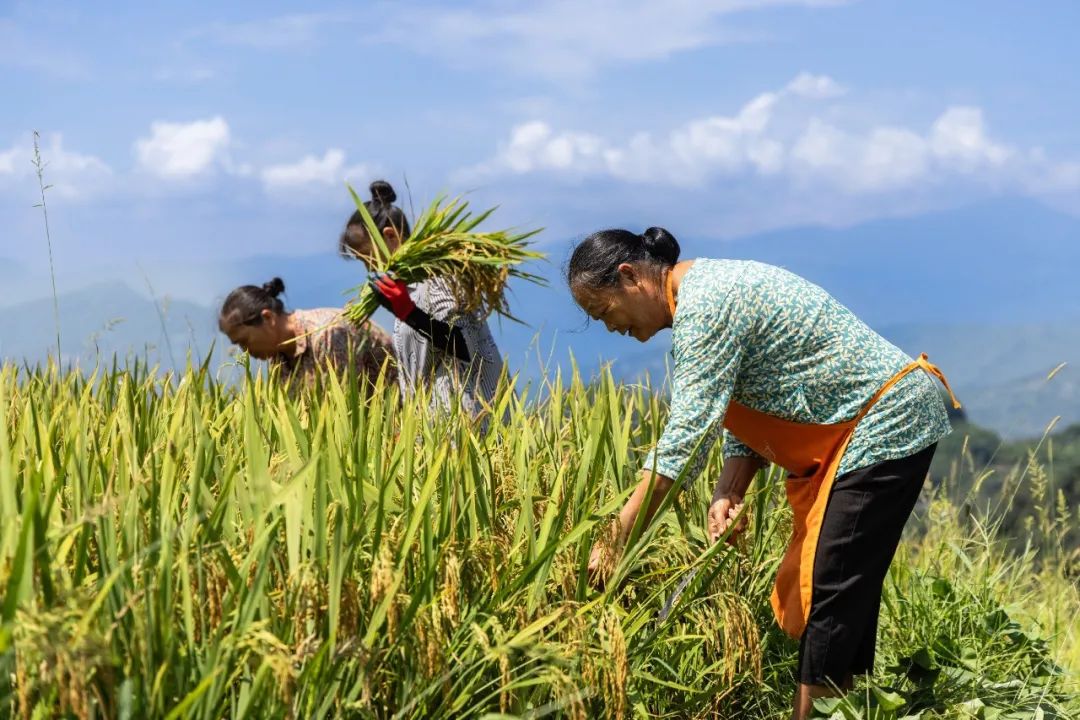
[722,513]
[608,548]
[393,294]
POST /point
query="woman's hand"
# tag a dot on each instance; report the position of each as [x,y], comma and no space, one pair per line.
[608,548]
[722,513]
[735,478]
[603,558]
[596,562]
[393,294]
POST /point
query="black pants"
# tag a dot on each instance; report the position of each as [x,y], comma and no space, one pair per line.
[860,531]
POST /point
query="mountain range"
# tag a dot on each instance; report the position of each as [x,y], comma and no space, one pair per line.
[988,291]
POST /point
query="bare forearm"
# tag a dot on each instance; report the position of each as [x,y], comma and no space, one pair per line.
[628,515]
[736,476]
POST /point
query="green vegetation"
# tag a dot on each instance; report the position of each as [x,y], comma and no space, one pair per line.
[1032,485]
[187,549]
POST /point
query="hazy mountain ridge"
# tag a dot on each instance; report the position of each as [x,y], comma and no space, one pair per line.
[103,320]
[996,321]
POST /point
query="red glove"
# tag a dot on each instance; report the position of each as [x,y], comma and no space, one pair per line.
[393,294]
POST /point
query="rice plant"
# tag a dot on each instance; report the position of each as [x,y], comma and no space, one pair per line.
[178,548]
[446,243]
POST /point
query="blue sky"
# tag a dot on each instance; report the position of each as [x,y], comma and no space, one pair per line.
[197,132]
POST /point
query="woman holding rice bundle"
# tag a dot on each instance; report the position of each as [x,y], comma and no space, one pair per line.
[438,343]
[785,374]
[303,342]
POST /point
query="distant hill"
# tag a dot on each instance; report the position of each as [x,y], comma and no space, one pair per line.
[965,457]
[1001,372]
[104,319]
[1010,261]
[988,291]
[1026,407]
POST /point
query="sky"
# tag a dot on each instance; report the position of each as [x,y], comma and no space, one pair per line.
[186,134]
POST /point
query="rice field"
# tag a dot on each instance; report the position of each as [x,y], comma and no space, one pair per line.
[181,548]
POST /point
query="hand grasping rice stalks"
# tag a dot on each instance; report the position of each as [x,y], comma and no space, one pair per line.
[446,244]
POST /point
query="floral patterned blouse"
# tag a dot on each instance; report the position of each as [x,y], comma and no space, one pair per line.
[327,339]
[779,344]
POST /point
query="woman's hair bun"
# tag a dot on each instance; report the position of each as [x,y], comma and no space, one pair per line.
[382,192]
[275,287]
[661,244]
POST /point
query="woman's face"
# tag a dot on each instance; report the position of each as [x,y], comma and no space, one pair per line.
[357,243]
[634,306]
[262,341]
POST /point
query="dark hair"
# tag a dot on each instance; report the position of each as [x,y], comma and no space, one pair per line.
[595,261]
[383,211]
[245,304]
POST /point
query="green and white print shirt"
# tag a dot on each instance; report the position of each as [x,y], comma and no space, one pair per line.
[779,344]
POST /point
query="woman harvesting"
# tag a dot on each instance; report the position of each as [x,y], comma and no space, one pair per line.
[784,374]
[439,342]
[302,342]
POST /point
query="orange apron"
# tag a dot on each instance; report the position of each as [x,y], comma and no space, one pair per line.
[811,453]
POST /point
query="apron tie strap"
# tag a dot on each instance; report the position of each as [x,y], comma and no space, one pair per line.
[934,370]
[922,363]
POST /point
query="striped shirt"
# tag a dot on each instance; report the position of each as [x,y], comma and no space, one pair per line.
[451,380]
[779,344]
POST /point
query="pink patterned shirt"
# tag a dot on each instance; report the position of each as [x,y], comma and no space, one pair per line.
[327,339]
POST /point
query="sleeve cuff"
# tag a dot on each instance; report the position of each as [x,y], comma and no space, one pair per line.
[660,467]
[743,451]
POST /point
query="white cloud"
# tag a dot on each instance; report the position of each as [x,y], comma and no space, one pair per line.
[717,144]
[883,159]
[729,144]
[534,146]
[888,158]
[70,174]
[780,136]
[720,144]
[310,170]
[960,136]
[565,39]
[184,150]
[1049,177]
[815,87]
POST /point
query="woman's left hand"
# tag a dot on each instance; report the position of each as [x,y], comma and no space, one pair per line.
[393,294]
[723,511]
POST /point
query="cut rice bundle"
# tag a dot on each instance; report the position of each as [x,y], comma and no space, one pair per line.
[446,244]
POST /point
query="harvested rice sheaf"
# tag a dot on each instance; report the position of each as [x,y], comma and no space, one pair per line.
[445,243]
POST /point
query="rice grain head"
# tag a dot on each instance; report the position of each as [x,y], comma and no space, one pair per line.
[615,668]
